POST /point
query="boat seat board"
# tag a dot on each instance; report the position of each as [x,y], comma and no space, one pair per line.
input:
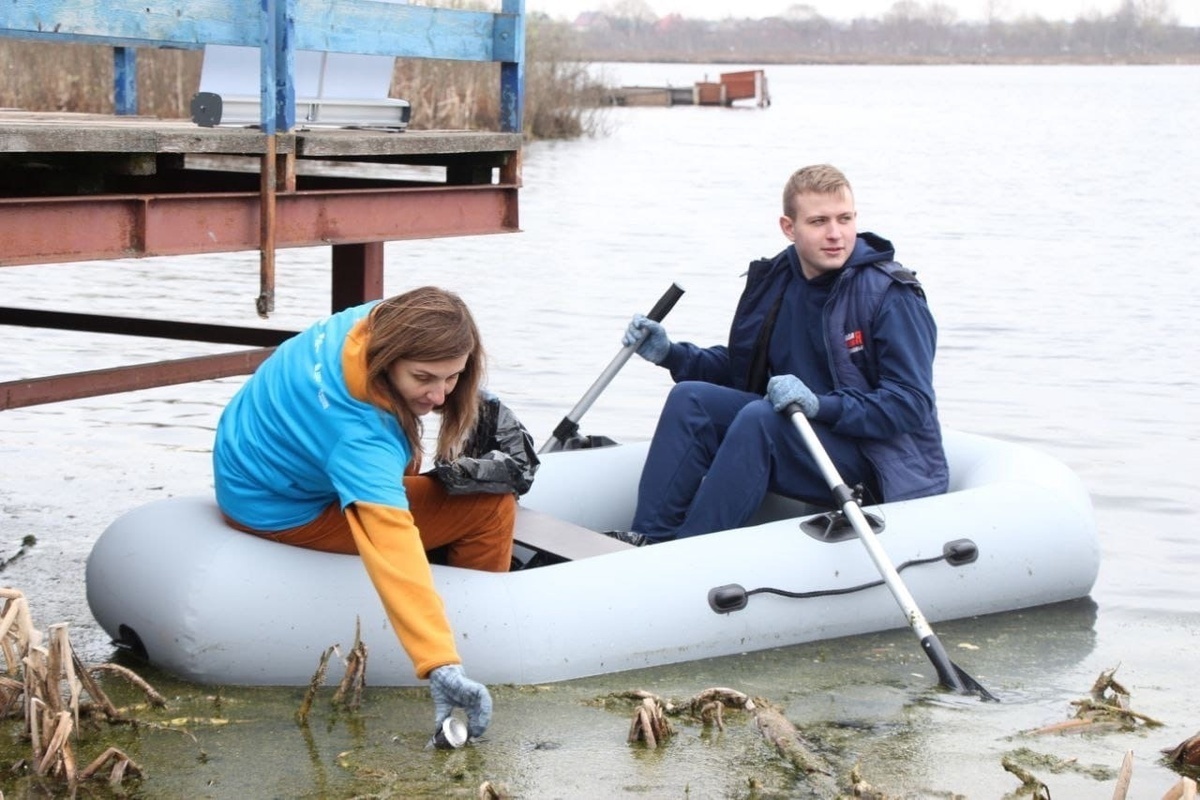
[549,534]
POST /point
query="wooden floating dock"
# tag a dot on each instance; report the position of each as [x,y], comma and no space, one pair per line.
[77,187]
[732,87]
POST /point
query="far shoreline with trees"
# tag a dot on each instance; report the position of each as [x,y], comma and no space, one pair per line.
[910,32]
[564,97]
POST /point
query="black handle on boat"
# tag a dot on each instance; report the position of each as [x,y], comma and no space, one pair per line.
[950,674]
[569,425]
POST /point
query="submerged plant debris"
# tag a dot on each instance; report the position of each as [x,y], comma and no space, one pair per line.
[1106,708]
[74,739]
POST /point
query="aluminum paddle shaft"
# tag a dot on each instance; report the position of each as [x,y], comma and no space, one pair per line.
[949,674]
[569,425]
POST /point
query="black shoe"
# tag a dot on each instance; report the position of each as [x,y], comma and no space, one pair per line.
[629,537]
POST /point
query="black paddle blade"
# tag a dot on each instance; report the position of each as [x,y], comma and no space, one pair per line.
[971,686]
[951,675]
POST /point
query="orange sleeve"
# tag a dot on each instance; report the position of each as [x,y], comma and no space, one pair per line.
[390,547]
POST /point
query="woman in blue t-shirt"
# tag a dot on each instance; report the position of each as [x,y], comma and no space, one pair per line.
[321,448]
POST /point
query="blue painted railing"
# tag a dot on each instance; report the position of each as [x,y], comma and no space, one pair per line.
[371,27]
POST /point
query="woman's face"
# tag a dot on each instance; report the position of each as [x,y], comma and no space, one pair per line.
[425,384]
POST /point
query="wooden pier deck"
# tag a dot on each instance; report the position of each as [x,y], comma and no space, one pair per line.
[77,187]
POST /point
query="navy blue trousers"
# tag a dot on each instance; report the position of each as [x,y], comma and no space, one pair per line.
[717,451]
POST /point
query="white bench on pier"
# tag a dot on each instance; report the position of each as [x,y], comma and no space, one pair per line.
[341,90]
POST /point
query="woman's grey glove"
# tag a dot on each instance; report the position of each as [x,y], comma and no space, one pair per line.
[452,689]
[655,345]
[783,390]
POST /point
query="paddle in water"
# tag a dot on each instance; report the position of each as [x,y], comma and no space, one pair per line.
[950,674]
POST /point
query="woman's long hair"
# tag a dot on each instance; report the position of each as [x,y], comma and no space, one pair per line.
[427,324]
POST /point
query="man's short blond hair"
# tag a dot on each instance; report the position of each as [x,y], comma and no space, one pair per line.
[814,179]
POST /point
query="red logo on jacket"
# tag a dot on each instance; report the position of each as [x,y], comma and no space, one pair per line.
[854,341]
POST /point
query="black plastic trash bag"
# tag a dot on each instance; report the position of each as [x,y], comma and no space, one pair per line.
[498,457]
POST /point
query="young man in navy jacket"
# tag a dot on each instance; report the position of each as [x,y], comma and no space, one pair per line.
[833,324]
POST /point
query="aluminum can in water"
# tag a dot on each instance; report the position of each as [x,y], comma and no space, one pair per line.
[450,735]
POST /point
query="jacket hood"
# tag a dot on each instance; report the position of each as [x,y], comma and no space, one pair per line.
[869,248]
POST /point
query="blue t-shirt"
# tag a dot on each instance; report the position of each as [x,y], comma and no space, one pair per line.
[293,439]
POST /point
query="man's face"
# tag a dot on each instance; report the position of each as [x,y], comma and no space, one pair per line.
[824,231]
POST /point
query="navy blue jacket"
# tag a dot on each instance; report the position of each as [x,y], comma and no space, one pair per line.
[876,339]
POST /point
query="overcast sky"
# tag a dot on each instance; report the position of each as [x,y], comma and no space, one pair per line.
[1186,11]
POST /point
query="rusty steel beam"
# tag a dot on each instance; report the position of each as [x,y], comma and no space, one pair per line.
[138,326]
[72,386]
[357,274]
[51,230]
[265,303]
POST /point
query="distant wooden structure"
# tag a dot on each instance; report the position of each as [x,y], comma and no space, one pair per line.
[76,187]
[732,86]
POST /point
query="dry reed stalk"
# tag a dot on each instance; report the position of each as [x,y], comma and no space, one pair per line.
[62,667]
[709,704]
[89,685]
[1185,789]
[1076,725]
[350,688]
[121,764]
[781,734]
[1124,777]
[58,756]
[355,678]
[861,789]
[486,791]
[1115,712]
[52,688]
[11,691]
[730,698]
[650,724]
[1030,783]
[318,679]
[35,696]
[17,633]
[1105,708]
[152,696]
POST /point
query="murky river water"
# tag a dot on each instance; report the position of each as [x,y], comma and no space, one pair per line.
[1046,211]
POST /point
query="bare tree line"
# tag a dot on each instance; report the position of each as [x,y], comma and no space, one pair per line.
[1139,31]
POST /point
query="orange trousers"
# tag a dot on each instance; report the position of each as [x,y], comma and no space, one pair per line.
[475,529]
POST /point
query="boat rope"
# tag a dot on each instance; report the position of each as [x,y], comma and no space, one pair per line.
[734,597]
[849,589]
